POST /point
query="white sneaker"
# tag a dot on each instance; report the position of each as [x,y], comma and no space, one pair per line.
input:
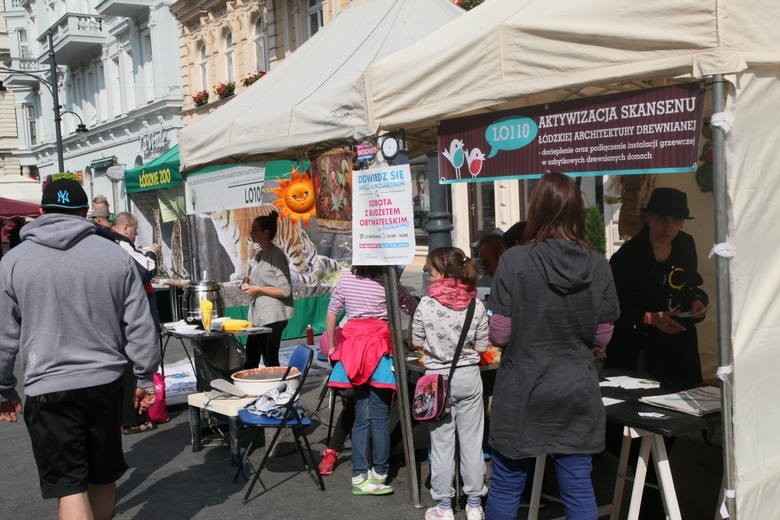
[474,513]
[435,513]
[364,486]
[376,477]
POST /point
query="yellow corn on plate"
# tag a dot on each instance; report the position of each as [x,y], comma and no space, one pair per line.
[231,324]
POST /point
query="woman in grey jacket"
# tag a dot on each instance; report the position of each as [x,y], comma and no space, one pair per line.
[552,299]
[270,287]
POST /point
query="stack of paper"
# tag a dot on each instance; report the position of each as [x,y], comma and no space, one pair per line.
[630,383]
[696,401]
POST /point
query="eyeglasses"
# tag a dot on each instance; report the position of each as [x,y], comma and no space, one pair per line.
[425,269]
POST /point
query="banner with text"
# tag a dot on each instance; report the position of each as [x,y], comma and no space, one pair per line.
[645,131]
[383,216]
[239,186]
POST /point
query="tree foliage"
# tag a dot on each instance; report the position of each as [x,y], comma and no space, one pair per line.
[595,234]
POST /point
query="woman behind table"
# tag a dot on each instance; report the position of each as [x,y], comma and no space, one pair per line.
[270,287]
[552,299]
[656,278]
[436,327]
[363,363]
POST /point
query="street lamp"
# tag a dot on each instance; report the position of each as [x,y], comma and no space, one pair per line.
[81,129]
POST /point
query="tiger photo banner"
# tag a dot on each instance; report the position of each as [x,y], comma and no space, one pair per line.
[226,252]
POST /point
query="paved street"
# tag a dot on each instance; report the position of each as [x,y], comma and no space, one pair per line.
[166,480]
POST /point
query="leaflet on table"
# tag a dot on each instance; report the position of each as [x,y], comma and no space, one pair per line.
[630,383]
[606,401]
[696,401]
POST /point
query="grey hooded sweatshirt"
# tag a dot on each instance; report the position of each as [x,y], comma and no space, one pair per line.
[74,309]
[547,398]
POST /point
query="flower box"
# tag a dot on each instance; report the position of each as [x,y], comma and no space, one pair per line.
[251,78]
[200,98]
[225,89]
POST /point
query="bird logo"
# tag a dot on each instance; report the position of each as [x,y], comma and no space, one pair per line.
[475,159]
[456,156]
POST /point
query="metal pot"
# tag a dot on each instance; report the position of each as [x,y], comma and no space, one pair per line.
[190,300]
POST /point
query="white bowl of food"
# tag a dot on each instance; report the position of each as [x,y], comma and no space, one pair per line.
[257,381]
[184,328]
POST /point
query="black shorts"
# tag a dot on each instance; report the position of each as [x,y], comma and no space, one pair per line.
[76,438]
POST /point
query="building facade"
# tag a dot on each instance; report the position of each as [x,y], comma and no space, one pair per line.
[115,74]
[233,42]
[14,183]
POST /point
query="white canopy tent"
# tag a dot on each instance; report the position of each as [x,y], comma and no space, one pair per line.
[508,54]
[316,99]
[317,94]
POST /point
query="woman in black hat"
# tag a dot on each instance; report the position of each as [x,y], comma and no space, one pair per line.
[658,285]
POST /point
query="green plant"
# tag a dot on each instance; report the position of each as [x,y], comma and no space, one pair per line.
[467,4]
[67,175]
[225,89]
[252,77]
[201,97]
[595,234]
[78,177]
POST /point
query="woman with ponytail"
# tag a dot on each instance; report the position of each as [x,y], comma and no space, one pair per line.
[270,288]
[436,328]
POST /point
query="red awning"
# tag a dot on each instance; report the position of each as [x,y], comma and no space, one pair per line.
[12,208]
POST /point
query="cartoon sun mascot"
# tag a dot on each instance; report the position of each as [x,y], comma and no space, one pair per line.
[296,197]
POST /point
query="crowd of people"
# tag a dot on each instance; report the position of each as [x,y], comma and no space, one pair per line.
[553,302]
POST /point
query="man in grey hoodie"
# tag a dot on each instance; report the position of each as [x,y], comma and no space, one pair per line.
[74,323]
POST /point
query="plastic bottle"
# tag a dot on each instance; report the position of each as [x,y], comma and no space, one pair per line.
[309,335]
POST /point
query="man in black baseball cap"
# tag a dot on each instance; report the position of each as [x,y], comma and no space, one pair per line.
[64,196]
[75,324]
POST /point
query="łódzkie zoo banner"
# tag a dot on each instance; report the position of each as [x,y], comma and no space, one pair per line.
[645,131]
[224,203]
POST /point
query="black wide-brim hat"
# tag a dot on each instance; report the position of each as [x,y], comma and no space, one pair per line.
[668,202]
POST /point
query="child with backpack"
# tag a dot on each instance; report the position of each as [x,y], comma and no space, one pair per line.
[436,327]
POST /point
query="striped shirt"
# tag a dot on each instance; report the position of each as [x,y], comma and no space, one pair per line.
[365,297]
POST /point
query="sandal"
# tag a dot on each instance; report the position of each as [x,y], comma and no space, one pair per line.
[145,427]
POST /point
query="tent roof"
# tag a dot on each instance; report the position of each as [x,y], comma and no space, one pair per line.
[161,172]
[13,208]
[317,94]
[505,54]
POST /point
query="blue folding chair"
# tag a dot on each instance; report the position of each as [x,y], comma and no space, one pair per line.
[301,359]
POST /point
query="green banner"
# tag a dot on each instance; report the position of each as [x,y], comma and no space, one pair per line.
[162,172]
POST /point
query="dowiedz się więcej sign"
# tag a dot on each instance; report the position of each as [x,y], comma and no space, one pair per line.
[382,216]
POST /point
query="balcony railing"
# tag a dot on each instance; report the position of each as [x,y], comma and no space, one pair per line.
[75,37]
[23,64]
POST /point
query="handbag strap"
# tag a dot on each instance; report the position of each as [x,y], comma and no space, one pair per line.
[462,340]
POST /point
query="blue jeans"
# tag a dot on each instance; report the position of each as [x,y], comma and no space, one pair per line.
[372,423]
[510,475]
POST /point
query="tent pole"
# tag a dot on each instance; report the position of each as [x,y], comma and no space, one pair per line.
[439,225]
[402,392]
[192,238]
[723,287]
